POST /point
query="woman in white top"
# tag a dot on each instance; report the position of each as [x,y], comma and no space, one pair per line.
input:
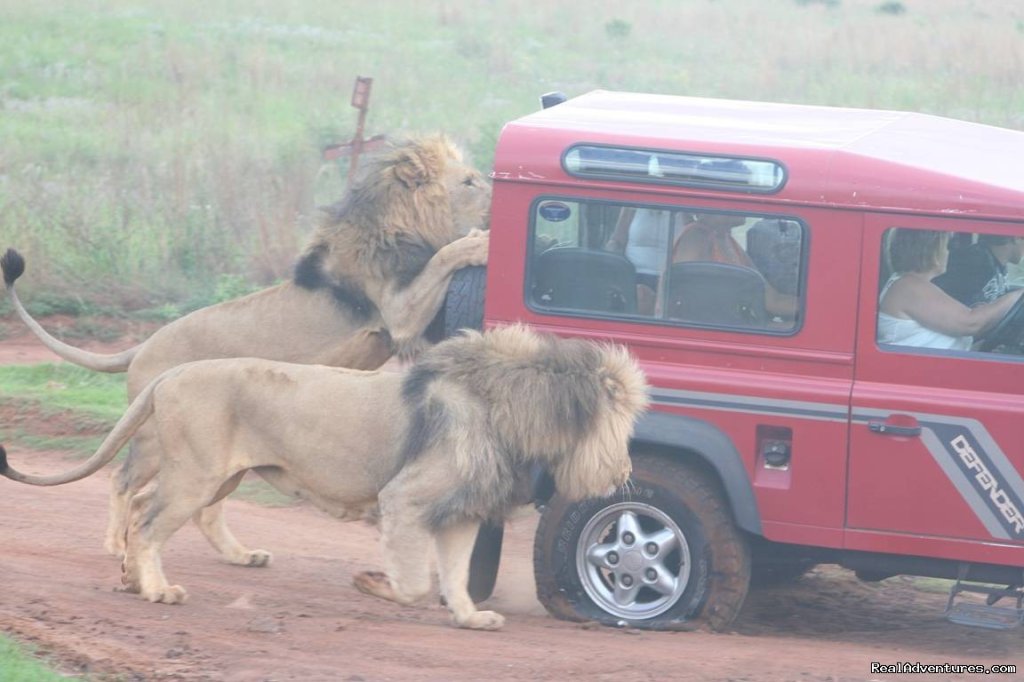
[643,235]
[913,311]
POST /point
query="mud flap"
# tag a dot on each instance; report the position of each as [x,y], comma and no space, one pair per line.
[483,567]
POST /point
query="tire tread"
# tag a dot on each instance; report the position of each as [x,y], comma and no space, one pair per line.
[731,557]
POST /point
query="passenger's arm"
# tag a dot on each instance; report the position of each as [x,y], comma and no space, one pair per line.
[935,309]
[620,236]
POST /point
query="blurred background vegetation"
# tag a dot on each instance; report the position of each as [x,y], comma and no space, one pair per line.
[156,157]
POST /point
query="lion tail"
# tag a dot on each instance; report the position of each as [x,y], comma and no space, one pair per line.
[133,418]
[13,265]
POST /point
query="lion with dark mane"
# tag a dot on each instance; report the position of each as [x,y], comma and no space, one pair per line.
[368,285]
[439,449]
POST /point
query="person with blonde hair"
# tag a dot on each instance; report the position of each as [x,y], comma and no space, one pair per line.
[914,311]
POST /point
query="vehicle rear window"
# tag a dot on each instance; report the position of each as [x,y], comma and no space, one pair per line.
[697,170]
[667,265]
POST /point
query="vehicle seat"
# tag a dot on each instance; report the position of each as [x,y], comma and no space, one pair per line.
[716,293]
[583,279]
[774,247]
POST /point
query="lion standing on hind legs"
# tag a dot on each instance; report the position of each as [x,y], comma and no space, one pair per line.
[367,286]
[440,448]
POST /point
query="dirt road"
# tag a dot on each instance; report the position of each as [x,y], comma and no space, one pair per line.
[300,619]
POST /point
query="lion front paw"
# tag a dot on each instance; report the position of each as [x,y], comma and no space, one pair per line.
[473,249]
[482,620]
[171,594]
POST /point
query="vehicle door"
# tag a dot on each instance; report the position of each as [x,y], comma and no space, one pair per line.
[937,435]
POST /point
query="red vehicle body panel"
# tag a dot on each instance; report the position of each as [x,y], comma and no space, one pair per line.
[850,174]
[856,158]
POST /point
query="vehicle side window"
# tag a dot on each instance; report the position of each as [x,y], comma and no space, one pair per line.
[953,292]
[671,265]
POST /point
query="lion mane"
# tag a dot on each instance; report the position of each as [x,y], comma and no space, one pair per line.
[401,211]
[368,285]
[439,449]
[565,404]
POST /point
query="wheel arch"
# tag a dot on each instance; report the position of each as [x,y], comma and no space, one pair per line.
[682,437]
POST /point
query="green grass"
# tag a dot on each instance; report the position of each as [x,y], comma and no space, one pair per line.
[96,397]
[80,445]
[69,408]
[150,149]
[17,664]
[58,406]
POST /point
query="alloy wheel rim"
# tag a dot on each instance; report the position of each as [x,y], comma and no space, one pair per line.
[633,561]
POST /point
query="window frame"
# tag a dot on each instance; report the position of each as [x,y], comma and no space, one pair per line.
[901,349]
[656,180]
[666,322]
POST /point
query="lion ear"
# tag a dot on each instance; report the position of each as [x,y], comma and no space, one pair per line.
[416,167]
[613,387]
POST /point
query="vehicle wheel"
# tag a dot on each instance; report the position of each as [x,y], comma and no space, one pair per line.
[464,305]
[662,553]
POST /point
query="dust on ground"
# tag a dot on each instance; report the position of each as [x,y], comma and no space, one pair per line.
[301,619]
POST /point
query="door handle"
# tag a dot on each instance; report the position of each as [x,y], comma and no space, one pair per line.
[888,428]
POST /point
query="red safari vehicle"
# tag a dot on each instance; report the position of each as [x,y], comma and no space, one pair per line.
[754,258]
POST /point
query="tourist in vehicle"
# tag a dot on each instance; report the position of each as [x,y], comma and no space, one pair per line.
[977,273]
[643,236]
[709,238]
[914,311]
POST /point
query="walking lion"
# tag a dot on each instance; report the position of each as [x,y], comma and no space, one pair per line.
[440,448]
[368,285]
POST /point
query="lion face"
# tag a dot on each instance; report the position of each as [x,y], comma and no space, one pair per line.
[469,193]
[404,205]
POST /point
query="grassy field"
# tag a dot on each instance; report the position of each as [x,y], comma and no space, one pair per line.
[64,407]
[18,665]
[165,155]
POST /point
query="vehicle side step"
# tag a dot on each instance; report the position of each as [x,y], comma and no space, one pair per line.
[986,615]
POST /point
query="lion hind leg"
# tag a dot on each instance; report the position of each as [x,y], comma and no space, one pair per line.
[210,520]
[130,569]
[375,584]
[156,515]
[138,469]
[120,500]
[454,551]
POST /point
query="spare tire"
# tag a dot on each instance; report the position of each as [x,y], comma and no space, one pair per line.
[464,304]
